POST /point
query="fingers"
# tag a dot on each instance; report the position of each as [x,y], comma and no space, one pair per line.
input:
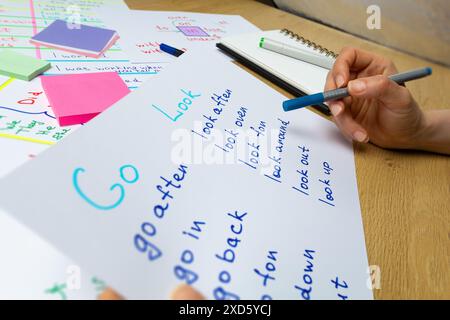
[351,129]
[109,294]
[335,106]
[381,88]
[365,74]
[352,63]
[182,292]
[330,84]
[381,66]
[348,60]
[185,292]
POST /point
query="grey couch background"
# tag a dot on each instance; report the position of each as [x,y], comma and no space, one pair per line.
[419,27]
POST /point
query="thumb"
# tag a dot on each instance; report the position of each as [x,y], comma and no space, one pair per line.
[185,292]
[380,87]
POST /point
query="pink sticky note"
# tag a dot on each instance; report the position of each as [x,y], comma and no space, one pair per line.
[77,98]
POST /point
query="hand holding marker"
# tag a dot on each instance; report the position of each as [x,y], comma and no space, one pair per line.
[325,62]
[341,93]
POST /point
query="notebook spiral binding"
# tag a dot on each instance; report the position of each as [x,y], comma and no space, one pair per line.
[309,43]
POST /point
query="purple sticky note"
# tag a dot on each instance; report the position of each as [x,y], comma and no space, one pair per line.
[192,31]
[75,38]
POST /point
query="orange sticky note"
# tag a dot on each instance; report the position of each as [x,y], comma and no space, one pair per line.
[77,98]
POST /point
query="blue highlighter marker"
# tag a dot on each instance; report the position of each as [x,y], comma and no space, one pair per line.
[340,93]
[171,50]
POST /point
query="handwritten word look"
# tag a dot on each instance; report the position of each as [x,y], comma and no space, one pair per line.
[303,172]
[183,105]
[220,102]
[254,146]
[328,197]
[231,134]
[275,172]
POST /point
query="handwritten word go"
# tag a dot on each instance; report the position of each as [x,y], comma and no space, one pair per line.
[128,173]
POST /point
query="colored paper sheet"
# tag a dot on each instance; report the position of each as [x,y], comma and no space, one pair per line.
[25,114]
[16,65]
[22,101]
[77,98]
[78,38]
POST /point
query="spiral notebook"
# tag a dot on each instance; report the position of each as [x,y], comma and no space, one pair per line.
[295,76]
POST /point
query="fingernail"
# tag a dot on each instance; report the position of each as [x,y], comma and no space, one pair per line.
[357,85]
[359,136]
[339,80]
[336,108]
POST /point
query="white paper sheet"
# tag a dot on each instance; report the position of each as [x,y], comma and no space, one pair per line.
[14,153]
[145,30]
[131,202]
[33,269]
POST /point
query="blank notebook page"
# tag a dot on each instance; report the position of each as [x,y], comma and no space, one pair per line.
[302,75]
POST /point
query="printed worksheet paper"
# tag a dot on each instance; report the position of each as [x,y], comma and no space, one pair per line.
[31,267]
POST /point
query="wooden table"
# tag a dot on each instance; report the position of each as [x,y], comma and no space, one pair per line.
[405,196]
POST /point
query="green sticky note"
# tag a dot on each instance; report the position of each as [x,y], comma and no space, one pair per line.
[16,65]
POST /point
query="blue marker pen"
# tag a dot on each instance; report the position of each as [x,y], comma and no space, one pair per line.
[340,93]
[171,50]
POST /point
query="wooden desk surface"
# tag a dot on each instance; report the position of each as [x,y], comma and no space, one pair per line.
[405,196]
